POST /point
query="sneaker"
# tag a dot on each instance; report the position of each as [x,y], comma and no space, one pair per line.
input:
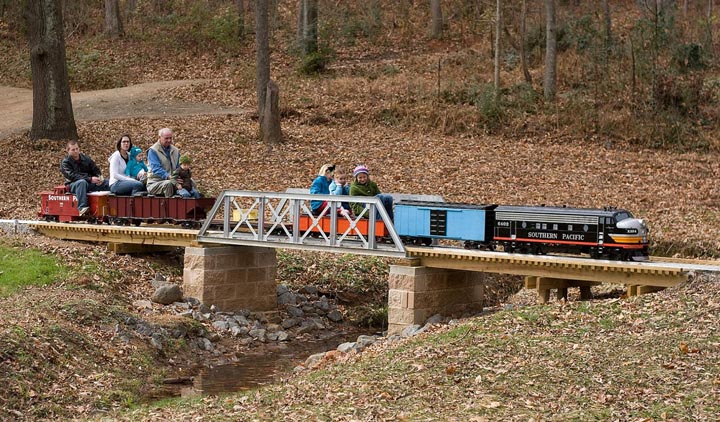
[82,211]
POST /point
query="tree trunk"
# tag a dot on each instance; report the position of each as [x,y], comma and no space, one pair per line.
[270,123]
[113,22]
[309,37]
[608,31]
[130,6]
[436,29]
[523,53]
[550,51]
[262,55]
[709,35]
[498,52]
[241,19]
[52,107]
[300,23]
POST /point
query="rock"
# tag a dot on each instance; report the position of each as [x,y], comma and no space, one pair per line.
[221,325]
[167,294]
[306,328]
[435,319]
[142,304]
[192,301]
[272,328]
[181,305]
[335,316]
[365,341]
[281,289]
[287,298]
[204,344]
[283,336]
[347,347]
[309,290]
[187,314]
[239,331]
[290,322]
[272,336]
[241,320]
[314,360]
[203,308]
[156,341]
[160,277]
[258,334]
[409,331]
[179,331]
[295,311]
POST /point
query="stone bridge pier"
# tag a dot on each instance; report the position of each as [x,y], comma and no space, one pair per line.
[417,293]
[243,277]
[231,277]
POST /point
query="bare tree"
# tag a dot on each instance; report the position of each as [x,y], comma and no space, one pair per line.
[113,22]
[550,51]
[268,112]
[52,106]
[262,53]
[523,53]
[436,29]
[308,27]
[241,19]
[608,29]
[498,52]
[709,35]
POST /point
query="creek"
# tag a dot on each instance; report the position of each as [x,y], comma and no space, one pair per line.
[256,368]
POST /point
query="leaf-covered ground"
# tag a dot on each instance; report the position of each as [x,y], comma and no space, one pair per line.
[655,357]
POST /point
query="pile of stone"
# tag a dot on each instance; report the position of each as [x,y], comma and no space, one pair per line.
[301,312]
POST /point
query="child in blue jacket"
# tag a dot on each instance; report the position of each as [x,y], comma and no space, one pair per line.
[136,167]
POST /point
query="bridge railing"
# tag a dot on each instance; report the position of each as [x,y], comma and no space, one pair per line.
[285,220]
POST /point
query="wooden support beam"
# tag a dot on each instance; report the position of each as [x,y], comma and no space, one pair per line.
[131,248]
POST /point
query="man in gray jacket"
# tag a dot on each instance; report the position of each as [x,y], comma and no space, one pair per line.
[163,158]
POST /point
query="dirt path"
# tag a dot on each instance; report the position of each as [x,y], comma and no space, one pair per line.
[143,100]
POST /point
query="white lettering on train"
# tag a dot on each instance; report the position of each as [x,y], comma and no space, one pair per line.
[580,237]
[540,235]
[58,197]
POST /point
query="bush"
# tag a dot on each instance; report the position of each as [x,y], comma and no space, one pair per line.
[316,62]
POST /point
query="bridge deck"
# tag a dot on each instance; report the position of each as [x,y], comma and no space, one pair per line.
[652,273]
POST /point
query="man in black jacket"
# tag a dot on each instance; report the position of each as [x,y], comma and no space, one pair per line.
[82,175]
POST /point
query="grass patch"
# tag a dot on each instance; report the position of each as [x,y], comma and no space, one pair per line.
[26,267]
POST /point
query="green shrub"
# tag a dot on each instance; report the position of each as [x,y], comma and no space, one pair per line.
[88,70]
[316,62]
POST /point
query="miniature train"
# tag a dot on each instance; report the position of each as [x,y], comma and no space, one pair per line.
[600,233]
[608,233]
[62,206]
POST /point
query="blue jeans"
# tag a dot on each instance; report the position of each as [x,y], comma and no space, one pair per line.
[192,193]
[81,187]
[387,201]
[127,187]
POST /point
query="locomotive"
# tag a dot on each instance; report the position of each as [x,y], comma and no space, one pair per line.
[62,206]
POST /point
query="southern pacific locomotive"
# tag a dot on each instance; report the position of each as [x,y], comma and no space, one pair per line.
[600,233]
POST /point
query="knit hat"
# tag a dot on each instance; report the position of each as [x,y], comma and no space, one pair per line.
[360,169]
[134,151]
[185,159]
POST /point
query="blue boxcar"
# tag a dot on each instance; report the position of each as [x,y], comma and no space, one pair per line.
[430,220]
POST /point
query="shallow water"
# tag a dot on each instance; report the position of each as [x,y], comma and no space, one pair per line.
[256,369]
